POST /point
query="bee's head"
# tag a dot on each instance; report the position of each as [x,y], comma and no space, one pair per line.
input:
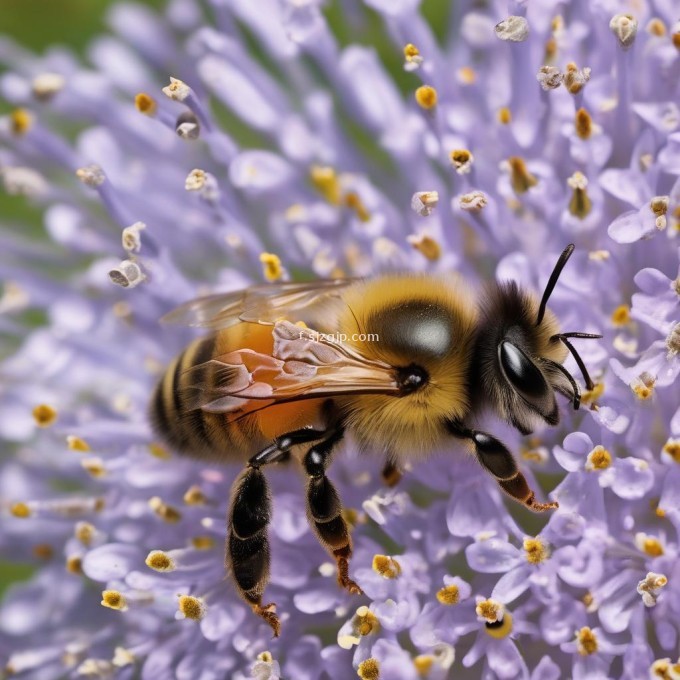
[519,354]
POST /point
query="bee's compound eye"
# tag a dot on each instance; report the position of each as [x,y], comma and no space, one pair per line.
[411,378]
[521,371]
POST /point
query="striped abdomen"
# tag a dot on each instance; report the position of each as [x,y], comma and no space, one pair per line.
[175,407]
[179,420]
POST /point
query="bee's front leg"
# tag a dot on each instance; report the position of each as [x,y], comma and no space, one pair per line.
[495,457]
[324,509]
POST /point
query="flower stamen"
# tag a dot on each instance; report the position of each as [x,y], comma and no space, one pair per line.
[113,599]
[580,204]
[44,415]
[598,459]
[369,669]
[521,179]
[536,551]
[271,266]
[426,97]
[448,595]
[650,586]
[586,641]
[191,607]
[386,566]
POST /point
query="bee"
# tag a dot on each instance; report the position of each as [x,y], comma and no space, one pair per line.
[403,362]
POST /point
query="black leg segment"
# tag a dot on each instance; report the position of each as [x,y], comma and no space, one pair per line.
[495,457]
[249,515]
[324,509]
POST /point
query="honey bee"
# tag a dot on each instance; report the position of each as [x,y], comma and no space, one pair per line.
[404,362]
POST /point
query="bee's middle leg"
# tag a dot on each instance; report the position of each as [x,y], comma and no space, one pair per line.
[249,516]
[324,509]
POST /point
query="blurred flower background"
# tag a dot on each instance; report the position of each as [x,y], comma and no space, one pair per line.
[205,146]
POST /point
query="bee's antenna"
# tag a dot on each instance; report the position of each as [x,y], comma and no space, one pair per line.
[559,266]
[564,337]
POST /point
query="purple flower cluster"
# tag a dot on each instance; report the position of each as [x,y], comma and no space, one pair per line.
[277,151]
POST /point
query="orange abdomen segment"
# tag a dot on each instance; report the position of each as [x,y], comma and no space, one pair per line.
[189,429]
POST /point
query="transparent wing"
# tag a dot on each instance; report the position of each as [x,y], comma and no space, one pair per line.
[264,304]
[300,367]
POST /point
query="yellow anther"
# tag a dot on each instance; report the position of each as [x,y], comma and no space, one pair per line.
[411,52]
[532,455]
[194,496]
[467,75]
[426,97]
[160,561]
[575,79]
[366,622]
[426,245]
[122,657]
[598,459]
[580,204]
[265,656]
[326,182]
[74,564]
[21,121]
[643,386]
[369,669]
[164,511]
[652,546]
[583,124]
[423,664]
[676,40]
[462,160]
[500,629]
[354,202]
[491,610]
[656,27]
[536,551]
[20,510]
[448,595]
[145,104]
[550,51]
[77,444]
[94,466]
[114,600]
[271,266]
[85,532]
[588,599]
[44,415]
[202,542]
[352,517]
[386,566]
[520,178]
[504,115]
[586,641]
[664,670]
[43,551]
[621,316]
[159,451]
[191,607]
[672,448]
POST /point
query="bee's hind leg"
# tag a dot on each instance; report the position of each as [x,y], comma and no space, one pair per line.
[249,516]
[324,509]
